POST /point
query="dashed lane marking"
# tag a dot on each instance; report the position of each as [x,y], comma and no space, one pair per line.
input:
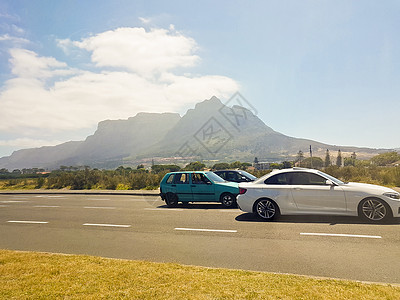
[342,235]
[99,207]
[107,225]
[28,222]
[206,230]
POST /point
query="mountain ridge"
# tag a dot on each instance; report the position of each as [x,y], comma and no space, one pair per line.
[209,131]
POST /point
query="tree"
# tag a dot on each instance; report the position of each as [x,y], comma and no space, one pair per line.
[350,161]
[195,166]
[353,156]
[255,160]
[162,168]
[317,162]
[299,157]
[385,159]
[339,159]
[327,159]
[286,164]
[221,166]
[239,165]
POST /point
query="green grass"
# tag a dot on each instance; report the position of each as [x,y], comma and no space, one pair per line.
[28,275]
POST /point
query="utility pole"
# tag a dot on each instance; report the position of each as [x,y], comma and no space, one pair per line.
[311,157]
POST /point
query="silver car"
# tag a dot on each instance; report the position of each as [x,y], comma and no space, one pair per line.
[301,191]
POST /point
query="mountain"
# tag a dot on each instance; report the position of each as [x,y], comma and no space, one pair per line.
[210,131]
[112,141]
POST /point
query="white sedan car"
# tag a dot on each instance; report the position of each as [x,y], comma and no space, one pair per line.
[301,191]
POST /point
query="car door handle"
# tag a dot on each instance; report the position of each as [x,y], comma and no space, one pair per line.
[298,189]
[174,185]
[193,185]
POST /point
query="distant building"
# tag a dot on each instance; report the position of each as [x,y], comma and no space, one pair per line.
[262,165]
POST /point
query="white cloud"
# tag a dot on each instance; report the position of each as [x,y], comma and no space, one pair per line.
[141,51]
[28,143]
[27,64]
[145,20]
[16,40]
[47,98]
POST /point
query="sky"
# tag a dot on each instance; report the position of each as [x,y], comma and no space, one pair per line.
[323,70]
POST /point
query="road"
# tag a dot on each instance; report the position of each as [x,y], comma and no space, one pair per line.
[136,227]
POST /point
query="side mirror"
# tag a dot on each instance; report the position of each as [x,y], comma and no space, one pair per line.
[329,182]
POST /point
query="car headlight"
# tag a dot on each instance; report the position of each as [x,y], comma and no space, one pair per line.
[392,195]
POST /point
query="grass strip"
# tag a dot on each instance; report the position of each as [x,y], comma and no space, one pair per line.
[30,275]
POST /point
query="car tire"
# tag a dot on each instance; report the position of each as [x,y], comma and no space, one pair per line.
[374,210]
[228,200]
[171,199]
[266,209]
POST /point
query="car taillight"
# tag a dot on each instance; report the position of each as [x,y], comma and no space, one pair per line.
[242,191]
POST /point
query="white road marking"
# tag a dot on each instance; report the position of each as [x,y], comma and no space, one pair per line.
[12,201]
[206,230]
[100,207]
[342,235]
[107,225]
[46,206]
[50,196]
[28,222]
[165,209]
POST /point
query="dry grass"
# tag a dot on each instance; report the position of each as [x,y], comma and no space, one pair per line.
[27,275]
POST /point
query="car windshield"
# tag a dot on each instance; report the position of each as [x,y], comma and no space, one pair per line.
[335,180]
[248,175]
[214,177]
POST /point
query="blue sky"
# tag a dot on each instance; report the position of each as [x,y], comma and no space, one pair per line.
[323,70]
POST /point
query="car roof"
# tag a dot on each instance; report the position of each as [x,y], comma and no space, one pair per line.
[178,172]
[235,170]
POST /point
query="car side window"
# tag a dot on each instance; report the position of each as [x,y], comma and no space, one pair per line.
[232,176]
[199,179]
[302,178]
[170,179]
[181,178]
[277,179]
[299,178]
[221,174]
[316,179]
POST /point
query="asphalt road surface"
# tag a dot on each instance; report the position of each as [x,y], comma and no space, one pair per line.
[136,227]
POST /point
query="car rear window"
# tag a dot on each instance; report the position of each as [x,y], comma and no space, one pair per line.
[170,179]
[277,179]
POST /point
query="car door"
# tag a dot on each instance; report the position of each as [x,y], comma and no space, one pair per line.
[182,187]
[202,188]
[311,194]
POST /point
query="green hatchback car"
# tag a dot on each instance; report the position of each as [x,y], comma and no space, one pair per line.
[196,186]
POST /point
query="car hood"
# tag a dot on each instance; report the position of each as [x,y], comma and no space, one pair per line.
[228,183]
[365,187]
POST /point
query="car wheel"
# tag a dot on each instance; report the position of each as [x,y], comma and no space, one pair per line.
[171,200]
[266,209]
[374,210]
[228,200]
